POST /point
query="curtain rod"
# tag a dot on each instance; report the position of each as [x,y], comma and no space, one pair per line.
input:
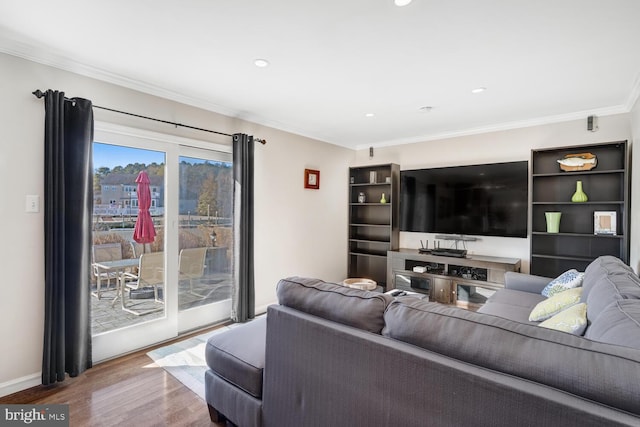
[39,94]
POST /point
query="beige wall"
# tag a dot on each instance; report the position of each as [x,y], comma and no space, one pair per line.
[504,146]
[297,231]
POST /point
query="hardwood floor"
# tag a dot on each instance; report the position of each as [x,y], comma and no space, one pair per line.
[127,391]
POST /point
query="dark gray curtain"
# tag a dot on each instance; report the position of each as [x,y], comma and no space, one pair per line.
[243,298]
[68,139]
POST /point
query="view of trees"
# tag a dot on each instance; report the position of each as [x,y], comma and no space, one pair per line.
[210,184]
[206,188]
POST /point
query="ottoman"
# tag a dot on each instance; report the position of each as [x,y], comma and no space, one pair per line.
[233,382]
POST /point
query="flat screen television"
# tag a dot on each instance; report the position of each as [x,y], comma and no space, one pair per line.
[478,200]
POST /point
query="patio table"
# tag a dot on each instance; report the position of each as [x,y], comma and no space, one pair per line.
[118,266]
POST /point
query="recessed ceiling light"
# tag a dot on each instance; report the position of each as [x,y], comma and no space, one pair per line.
[478,90]
[426,109]
[261,63]
[369,115]
[401,3]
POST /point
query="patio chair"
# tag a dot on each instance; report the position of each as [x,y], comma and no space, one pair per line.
[191,265]
[136,248]
[104,252]
[150,275]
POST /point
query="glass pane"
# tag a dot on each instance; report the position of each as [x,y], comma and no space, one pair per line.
[205,232]
[127,276]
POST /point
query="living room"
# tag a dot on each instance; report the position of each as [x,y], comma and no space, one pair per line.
[297,231]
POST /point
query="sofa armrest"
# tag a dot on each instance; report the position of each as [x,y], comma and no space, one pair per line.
[525,282]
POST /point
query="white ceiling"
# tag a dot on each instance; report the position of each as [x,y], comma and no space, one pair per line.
[334,61]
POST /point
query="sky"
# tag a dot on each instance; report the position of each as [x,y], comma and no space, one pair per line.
[106,155]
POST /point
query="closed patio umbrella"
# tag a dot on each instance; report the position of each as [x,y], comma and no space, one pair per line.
[144,231]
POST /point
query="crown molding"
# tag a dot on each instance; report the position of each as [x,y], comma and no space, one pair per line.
[53,59]
[35,53]
[579,115]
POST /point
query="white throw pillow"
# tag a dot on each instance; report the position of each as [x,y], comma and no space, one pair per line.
[567,280]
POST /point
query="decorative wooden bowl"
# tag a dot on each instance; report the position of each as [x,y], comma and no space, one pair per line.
[578,162]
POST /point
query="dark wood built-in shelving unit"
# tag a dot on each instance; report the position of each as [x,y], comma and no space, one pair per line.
[373,226]
[607,187]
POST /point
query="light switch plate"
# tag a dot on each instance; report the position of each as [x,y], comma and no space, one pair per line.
[32,203]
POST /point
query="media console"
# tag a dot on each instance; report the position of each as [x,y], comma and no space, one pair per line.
[466,282]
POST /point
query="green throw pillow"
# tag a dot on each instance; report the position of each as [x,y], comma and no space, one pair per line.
[555,304]
[572,320]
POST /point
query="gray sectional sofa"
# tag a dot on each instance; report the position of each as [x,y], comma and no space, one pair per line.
[330,355]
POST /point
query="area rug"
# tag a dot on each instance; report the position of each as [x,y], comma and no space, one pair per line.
[185,360]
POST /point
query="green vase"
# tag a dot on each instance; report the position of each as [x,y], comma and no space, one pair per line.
[553,221]
[383,199]
[579,196]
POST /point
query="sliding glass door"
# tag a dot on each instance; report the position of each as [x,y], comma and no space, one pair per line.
[175,276]
[205,237]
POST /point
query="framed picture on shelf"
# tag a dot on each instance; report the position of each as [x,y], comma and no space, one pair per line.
[312,179]
[604,222]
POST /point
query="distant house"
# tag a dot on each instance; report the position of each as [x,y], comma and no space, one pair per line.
[119,195]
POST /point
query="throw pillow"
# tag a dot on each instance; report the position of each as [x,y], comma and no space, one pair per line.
[568,280]
[555,304]
[572,320]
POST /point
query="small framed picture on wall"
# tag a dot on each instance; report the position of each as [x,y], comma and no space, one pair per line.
[311,179]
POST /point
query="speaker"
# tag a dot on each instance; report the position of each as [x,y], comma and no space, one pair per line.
[592,123]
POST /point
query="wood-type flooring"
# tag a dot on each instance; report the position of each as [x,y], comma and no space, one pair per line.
[127,391]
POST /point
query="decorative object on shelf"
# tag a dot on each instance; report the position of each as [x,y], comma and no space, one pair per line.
[383,199]
[362,198]
[604,222]
[553,221]
[360,283]
[388,180]
[311,179]
[579,196]
[352,180]
[373,177]
[578,162]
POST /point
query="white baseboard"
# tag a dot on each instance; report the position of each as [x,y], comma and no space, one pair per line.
[20,384]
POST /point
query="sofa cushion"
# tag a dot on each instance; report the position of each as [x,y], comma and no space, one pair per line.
[573,320]
[618,323]
[518,298]
[611,288]
[567,280]
[599,268]
[237,355]
[554,305]
[511,304]
[566,362]
[353,307]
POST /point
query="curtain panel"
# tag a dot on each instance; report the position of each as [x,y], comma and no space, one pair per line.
[68,198]
[243,295]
